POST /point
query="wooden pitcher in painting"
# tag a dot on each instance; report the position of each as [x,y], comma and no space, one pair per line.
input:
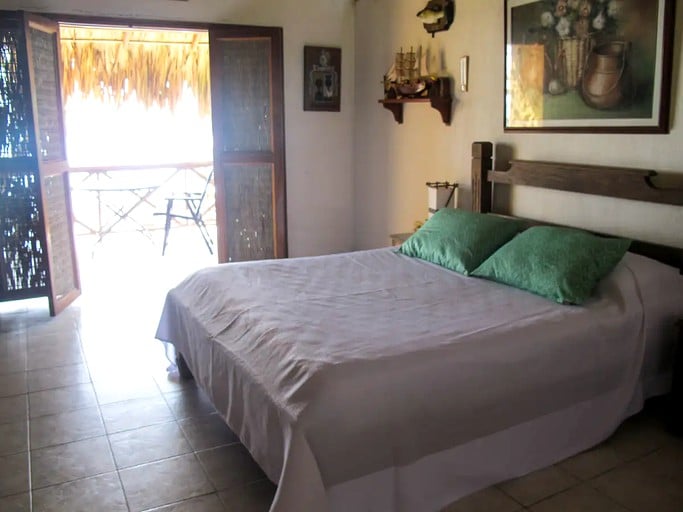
[606,81]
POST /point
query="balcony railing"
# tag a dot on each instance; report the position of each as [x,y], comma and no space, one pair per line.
[122,199]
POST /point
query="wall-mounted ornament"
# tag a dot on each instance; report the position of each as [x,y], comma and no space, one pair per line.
[409,81]
[408,76]
[437,15]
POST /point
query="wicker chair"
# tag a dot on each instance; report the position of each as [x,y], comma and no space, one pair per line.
[193,201]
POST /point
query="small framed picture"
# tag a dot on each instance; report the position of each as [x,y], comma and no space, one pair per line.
[322,78]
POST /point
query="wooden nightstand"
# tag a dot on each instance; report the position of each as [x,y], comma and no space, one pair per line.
[677,386]
[399,238]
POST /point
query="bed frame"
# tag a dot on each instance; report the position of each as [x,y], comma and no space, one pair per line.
[623,183]
[605,181]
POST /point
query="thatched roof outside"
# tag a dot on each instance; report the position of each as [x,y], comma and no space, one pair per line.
[156,65]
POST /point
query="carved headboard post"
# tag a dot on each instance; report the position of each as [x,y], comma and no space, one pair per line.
[482,155]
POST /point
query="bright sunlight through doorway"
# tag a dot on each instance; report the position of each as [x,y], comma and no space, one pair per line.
[138,132]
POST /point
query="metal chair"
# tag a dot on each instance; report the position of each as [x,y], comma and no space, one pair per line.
[193,201]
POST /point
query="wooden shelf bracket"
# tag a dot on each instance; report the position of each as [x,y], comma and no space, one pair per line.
[440,104]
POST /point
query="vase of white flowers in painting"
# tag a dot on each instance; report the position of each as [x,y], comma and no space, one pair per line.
[570,29]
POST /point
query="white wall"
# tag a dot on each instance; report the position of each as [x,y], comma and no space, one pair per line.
[393,161]
[360,159]
[318,144]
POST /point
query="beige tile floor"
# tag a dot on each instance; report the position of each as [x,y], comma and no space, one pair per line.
[91,421]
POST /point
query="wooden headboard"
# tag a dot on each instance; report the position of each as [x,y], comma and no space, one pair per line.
[635,184]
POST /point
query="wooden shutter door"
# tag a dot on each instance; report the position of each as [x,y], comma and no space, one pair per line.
[23,260]
[42,49]
[248,129]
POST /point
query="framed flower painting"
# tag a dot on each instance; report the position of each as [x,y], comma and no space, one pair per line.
[588,65]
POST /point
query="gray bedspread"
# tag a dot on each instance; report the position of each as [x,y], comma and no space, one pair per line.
[336,367]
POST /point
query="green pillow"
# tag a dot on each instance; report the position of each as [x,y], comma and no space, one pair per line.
[460,240]
[562,264]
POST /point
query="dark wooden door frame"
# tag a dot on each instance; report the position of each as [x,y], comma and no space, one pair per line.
[277,95]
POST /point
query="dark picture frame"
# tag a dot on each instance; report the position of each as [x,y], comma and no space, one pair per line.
[587,66]
[322,78]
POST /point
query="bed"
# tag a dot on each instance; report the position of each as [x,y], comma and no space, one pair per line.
[375,381]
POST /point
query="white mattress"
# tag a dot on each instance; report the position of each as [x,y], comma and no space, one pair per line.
[373,381]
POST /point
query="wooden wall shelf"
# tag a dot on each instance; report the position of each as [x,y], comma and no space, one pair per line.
[442,105]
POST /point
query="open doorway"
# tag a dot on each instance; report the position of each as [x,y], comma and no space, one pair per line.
[247,153]
[137,115]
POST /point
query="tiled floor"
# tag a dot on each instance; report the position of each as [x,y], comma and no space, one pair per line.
[91,421]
